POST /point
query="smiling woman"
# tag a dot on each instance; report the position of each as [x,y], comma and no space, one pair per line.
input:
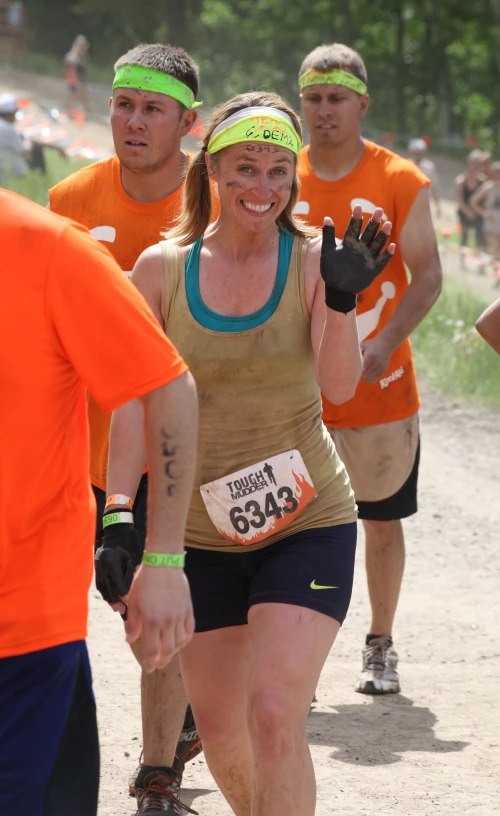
[271,533]
[260,128]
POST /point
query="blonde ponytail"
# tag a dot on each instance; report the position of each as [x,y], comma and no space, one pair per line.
[196,204]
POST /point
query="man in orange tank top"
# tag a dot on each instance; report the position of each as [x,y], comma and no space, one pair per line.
[376,432]
[126,201]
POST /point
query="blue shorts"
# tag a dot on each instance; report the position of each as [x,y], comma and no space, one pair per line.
[49,752]
[313,568]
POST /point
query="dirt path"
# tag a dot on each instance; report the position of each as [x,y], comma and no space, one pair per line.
[434,749]
[52,93]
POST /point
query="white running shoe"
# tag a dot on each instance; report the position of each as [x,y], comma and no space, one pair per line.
[379,673]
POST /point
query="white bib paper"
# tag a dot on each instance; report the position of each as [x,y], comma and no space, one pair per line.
[258,501]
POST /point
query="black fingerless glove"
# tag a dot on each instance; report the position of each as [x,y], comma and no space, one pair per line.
[338,300]
[118,556]
[349,267]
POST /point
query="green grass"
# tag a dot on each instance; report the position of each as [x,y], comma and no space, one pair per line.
[451,355]
[456,239]
[36,186]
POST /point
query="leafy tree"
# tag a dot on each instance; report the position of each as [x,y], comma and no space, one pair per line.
[434,67]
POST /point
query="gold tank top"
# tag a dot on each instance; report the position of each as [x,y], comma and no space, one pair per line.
[257,391]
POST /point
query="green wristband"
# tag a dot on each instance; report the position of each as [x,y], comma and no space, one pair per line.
[164,560]
[117,518]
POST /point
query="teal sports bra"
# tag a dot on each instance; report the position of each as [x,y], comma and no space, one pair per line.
[227,323]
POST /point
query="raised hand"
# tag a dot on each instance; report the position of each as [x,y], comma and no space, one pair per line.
[351,266]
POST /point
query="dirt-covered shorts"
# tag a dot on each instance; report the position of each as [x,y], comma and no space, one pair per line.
[382,462]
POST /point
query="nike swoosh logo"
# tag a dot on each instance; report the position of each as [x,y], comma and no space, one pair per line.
[314,585]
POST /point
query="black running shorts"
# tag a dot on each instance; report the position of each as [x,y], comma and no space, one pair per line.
[313,568]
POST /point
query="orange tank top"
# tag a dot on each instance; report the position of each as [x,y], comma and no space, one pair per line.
[381,179]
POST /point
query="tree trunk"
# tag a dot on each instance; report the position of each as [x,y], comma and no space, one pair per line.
[423,81]
[401,69]
[176,17]
[347,29]
[495,5]
[444,100]
[441,73]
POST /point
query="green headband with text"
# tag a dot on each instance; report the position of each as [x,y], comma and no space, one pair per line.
[334,77]
[267,125]
[148,79]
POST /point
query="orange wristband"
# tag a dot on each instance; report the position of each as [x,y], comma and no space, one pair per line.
[119,498]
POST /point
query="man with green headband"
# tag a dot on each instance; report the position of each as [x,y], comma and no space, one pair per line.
[126,201]
[376,432]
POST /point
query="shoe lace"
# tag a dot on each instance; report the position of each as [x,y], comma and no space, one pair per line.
[375,656]
[178,766]
[155,791]
[193,750]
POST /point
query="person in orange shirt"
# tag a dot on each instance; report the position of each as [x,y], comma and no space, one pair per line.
[376,433]
[58,285]
[126,201]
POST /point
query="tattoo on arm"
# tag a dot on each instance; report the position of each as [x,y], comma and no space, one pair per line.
[168,452]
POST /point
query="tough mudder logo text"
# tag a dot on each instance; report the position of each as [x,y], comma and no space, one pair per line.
[260,499]
[251,483]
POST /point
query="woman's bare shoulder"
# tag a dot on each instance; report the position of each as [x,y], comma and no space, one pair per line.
[150,261]
[312,265]
[314,246]
[150,258]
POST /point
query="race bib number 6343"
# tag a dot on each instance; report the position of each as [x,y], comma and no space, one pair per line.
[254,503]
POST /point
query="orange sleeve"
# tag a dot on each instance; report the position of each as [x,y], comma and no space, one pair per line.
[105,327]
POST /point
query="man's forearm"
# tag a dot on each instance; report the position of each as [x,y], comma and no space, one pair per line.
[416,302]
[171,425]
